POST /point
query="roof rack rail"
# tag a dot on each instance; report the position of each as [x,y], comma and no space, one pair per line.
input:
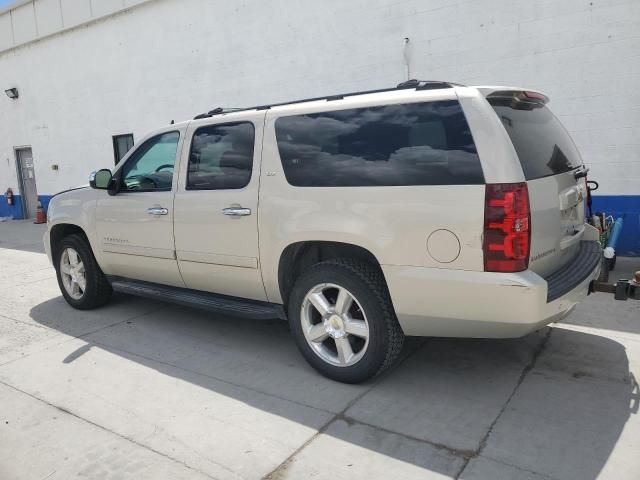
[426,84]
[218,111]
[413,83]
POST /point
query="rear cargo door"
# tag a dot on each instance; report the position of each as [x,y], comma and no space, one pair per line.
[555,177]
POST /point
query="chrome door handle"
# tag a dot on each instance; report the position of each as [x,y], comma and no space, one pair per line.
[157,211]
[236,211]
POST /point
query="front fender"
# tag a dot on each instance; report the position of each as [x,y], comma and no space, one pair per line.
[77,208]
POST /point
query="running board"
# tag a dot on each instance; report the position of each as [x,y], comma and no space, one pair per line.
[212,302]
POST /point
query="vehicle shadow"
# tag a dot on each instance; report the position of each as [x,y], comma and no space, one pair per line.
[564,420]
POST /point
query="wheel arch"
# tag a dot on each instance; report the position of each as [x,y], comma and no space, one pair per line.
[298,256]
[62,230]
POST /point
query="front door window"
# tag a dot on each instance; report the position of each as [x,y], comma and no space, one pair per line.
[150,168]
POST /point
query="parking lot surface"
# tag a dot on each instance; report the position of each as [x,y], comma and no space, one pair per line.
[146,390]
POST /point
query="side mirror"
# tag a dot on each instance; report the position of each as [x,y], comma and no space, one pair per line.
[101,179]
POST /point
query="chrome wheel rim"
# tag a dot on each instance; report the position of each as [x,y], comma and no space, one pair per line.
[74,277]
[334,325]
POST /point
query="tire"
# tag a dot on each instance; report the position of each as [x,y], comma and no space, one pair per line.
[370,308]
[97,291]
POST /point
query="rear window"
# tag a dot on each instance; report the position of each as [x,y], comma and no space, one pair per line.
[543,145]
[409,144]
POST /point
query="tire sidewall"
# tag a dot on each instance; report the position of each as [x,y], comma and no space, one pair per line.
[375,355]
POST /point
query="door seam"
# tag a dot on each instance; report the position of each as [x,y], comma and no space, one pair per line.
[258,211]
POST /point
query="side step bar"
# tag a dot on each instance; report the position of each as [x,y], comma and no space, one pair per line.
[212,302]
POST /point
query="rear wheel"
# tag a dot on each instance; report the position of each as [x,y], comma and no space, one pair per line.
[82,283]
[343,321]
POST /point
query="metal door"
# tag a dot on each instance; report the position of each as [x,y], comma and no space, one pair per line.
[27,176]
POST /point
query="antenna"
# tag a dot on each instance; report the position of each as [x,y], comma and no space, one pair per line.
[406,53]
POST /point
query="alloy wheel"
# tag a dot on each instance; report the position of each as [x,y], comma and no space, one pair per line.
[334,324]
[72,271]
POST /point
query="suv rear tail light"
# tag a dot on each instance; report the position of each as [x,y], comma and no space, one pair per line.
[507,233]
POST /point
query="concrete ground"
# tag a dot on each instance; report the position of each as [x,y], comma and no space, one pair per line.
[142,390]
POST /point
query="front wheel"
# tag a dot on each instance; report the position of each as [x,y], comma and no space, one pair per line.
[82,283]
[343,321]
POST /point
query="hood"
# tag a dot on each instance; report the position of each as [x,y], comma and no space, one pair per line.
[82,187]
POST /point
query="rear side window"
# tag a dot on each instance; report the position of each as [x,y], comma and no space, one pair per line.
[409,144]
[543,145]
[221,157]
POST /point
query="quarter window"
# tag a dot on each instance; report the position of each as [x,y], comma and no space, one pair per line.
[150,168]
[409,144]
[221,157]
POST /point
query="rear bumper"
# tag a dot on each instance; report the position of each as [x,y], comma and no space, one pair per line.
[564,280]
[454,303]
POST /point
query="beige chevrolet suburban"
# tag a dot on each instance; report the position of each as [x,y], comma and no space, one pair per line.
[429,209]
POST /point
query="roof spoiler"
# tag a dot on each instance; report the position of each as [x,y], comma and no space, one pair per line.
[526,95]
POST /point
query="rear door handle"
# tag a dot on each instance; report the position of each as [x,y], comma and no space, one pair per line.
[157,211]
[236,211]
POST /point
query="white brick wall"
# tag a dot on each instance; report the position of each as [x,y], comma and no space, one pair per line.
[48,17]
[26,21]
[171,59]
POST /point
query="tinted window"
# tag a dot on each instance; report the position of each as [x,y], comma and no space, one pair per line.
[150,168]
[411,144]
[541,142]
[221,157]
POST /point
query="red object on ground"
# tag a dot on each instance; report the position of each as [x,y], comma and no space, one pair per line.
[41,217]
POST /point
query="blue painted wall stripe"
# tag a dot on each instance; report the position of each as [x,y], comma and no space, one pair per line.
[45,199]
[627,207]
[14,211]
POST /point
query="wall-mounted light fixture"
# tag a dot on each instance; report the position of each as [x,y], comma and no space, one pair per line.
[12,93]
